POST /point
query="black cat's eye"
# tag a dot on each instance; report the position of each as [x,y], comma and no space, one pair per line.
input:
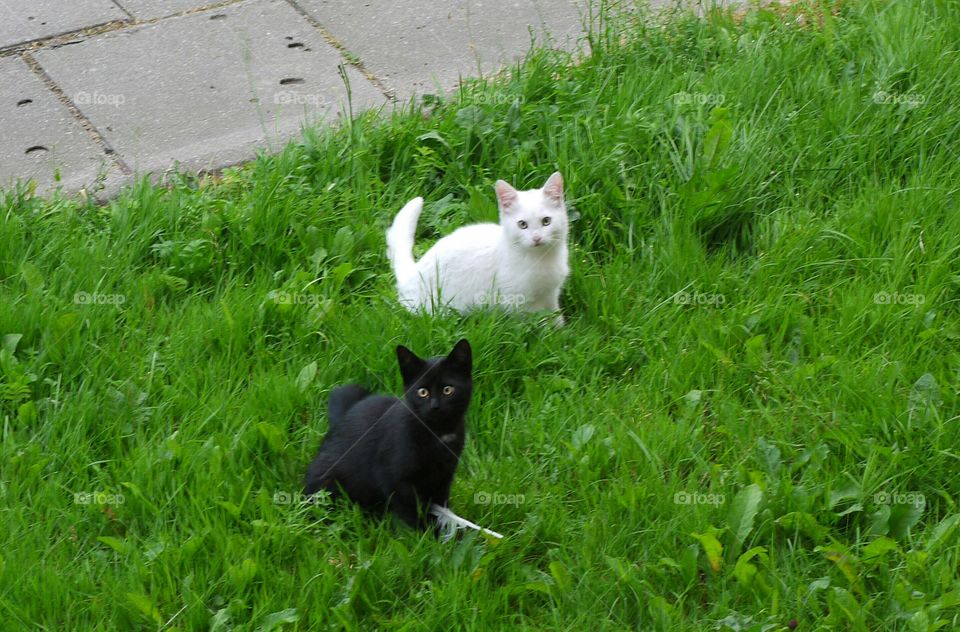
[448,390]
[522,224]
[546,221]
[422,392]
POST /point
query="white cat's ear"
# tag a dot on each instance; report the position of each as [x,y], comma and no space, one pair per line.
[553,189]
[506,195]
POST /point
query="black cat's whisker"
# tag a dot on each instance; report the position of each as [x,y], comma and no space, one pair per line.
[425,425]
[430,430]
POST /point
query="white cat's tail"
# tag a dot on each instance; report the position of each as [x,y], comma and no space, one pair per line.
[400,239]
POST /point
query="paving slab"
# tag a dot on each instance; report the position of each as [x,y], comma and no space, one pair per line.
[39,137]
[206,89]
[27,20]
[150,9]
[416,46]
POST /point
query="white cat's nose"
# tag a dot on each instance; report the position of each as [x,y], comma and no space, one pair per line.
[537,239]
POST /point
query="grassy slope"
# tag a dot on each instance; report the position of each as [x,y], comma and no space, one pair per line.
[784,385]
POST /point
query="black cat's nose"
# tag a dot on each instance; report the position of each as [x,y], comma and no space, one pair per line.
[434,404]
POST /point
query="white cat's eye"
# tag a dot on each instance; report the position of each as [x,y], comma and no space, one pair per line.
[422,392]
[546,221]
[448,390]
[522,224]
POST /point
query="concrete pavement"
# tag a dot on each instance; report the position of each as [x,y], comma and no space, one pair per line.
[94,92]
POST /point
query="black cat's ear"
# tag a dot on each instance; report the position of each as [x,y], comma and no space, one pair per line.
[462,355]
[410,365]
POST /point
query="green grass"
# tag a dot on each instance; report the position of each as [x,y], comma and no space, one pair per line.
[762,311]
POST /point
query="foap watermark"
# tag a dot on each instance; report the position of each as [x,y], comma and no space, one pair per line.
[698,98]
[492,98]
[282,297]
[696,498]
[914,499]
[496,498]
[498,298]
[910,99]
[99,98]
[283,497]
[86,298]
[895,298]
[292,97]
[699,298]
[98,498]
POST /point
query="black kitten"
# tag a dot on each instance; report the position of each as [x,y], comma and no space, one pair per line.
[398,454]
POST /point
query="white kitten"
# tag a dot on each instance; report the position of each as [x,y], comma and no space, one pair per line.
[520,263]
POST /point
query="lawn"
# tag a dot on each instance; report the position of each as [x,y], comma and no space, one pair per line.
[749,421]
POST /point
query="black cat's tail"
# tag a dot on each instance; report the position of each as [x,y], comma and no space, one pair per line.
[319,474]
[342,399]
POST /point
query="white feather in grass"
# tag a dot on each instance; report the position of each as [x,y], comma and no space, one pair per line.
[450,523]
